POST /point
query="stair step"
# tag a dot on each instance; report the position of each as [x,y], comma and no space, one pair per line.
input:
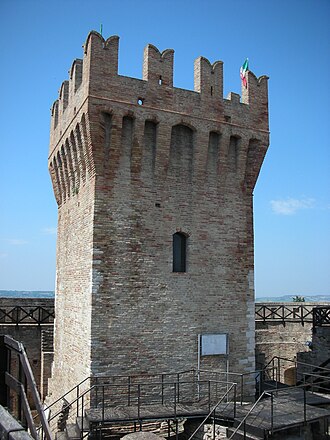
[72,431]
[79,424]
[273,385]
[239,435]
[251,429]
[61,435]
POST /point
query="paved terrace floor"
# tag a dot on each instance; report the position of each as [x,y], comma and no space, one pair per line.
[288,411]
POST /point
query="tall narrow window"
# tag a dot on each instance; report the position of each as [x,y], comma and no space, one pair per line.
[179,252]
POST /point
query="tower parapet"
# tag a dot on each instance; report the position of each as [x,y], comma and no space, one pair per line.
[158,67]
[208,79]
[134,162]
[96,77]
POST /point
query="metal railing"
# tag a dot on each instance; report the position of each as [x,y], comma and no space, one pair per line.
[302,369]
[225,401]
[126,390]
[164,399]
[20,386]
[309,381]
[266,414]
[202,388]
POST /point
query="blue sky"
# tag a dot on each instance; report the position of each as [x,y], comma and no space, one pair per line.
[287,40]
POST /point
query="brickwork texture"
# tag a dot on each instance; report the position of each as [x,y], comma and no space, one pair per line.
[132,162]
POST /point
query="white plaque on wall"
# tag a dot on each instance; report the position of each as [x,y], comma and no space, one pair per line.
[214,344]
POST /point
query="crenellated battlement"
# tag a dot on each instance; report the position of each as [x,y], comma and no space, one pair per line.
[95,88]
[158,67]
[97,75]
[208,78]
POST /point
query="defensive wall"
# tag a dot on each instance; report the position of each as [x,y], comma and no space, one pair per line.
[282,329]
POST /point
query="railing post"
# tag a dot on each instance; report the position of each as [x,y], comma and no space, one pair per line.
[214,424]
[178,379]
[77,400]
[82,416]
[242,388]
[278,369]
[235,391]
[9,355]
[162,389]
[129,390]
[271,413]
[198,384]
[296,371]
[139,396]
[95,381]
[209,393]
[21,417]
[103,403]
[175,400]
[244,430]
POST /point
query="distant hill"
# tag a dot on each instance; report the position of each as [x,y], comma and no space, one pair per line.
[27,294]
[288,298]
[51,294]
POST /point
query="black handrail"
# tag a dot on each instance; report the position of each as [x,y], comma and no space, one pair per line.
[276,392]
[20,387]
[81,399]
[214,409]
[279,359]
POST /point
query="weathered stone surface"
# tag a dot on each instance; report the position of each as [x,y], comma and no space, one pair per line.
[10,429]
[142,436]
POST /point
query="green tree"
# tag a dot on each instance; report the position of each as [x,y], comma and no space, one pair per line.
[298,299]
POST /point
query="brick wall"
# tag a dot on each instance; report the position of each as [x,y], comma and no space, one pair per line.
[133,162]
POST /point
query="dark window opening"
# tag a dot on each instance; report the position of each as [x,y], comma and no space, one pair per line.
[179,252]
[211,91]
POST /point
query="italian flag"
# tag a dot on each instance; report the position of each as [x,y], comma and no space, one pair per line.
[243,70]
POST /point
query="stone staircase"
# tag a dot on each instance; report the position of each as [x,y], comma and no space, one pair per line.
[246,432]
[74,431]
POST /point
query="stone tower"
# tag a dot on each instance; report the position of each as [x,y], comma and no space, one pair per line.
[154,188]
